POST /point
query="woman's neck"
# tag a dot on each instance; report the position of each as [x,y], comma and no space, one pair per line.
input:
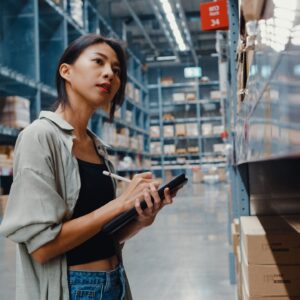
[78,118]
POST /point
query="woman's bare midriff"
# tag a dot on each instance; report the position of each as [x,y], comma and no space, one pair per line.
[98,265]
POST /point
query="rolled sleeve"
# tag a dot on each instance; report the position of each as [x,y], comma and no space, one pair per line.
[35,209]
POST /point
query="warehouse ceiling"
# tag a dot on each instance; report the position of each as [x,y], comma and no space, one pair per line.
[144,26]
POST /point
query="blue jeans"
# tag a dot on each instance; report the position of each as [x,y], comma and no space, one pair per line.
[89,285]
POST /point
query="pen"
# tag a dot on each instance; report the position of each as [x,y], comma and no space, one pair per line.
[116,176]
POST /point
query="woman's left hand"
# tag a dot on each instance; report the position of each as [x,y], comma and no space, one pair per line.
[147,216]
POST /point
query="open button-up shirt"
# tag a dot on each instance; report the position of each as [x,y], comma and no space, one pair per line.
[43,195]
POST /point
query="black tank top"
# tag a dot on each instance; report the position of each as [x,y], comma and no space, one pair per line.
[96,190]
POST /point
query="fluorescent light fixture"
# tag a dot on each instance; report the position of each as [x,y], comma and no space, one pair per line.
[164,58]
[166,6]
[150,58]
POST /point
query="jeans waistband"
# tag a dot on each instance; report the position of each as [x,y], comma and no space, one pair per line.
[96,277]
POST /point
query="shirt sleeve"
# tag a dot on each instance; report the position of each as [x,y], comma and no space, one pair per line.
[35,210]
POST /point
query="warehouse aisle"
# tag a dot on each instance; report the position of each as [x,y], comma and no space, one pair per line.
[183,256]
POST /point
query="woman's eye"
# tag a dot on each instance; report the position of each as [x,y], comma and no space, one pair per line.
[98,61]
[117,71]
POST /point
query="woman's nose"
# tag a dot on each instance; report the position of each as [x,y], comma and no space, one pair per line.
[108,72]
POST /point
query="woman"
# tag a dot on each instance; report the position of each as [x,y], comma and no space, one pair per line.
[60,200]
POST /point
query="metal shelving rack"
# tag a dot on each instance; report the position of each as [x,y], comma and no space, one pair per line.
[265,131]
[160,97]
[35,33]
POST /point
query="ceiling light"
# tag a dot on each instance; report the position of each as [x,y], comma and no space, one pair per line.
[173,25]
[164,58]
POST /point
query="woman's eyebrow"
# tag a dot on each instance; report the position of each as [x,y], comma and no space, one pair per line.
[104,56]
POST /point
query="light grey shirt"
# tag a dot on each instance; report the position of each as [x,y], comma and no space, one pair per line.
[43,195]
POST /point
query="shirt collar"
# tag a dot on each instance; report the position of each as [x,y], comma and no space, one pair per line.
[64,125]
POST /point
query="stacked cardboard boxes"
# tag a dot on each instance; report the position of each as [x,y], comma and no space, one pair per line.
[169,149]
[218,129]
[196,175]
[192,129]
[207,129]
[169,131]
[136,95]
[180,129]
[6,160]
[219,147]
[14,111]
[129,116]
[155,148]
[167,80]
[215,95]
[270,257]
[178,97]
[235,236]
[181,97]
[155,131]
[168,117]
[129,90]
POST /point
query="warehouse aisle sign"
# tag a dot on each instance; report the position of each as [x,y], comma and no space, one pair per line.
[214,15]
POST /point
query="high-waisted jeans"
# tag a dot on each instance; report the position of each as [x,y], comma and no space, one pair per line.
[89,285]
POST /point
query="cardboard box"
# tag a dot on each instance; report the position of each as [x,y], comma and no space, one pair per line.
[180,129]
[136,95]
[271,239]
[245,296]
[237,226]
[218,129]
[181,150]
[215,94]
[197,175]
[128,116]
[192,129]
[167,80]
[178,97]
[219,147]
[168,130]
[14,111]
[155,148]
[238,268]
[235,238]
[222,174]
[271,280]
[155,131]
[117,113]
[206,129]
[168,117]
[190,96]
[169,149]
[193,149]
[129,91]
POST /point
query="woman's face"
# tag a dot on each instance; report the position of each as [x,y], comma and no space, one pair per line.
[95,75]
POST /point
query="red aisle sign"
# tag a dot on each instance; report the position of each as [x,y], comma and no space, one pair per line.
[214,15]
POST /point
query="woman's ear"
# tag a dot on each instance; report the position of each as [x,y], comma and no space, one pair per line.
[65,71]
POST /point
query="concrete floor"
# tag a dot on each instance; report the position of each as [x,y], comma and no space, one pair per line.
[182,256]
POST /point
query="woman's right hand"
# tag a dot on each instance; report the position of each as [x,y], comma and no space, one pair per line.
[136,189]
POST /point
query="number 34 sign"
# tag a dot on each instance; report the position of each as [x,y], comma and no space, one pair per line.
[214,15]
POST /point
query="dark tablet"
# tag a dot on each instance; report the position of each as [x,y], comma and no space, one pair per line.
[124,218]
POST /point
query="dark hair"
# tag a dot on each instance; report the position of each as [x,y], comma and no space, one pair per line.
[73,51]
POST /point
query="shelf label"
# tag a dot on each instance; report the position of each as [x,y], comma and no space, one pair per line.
[192,72]
[214,15]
